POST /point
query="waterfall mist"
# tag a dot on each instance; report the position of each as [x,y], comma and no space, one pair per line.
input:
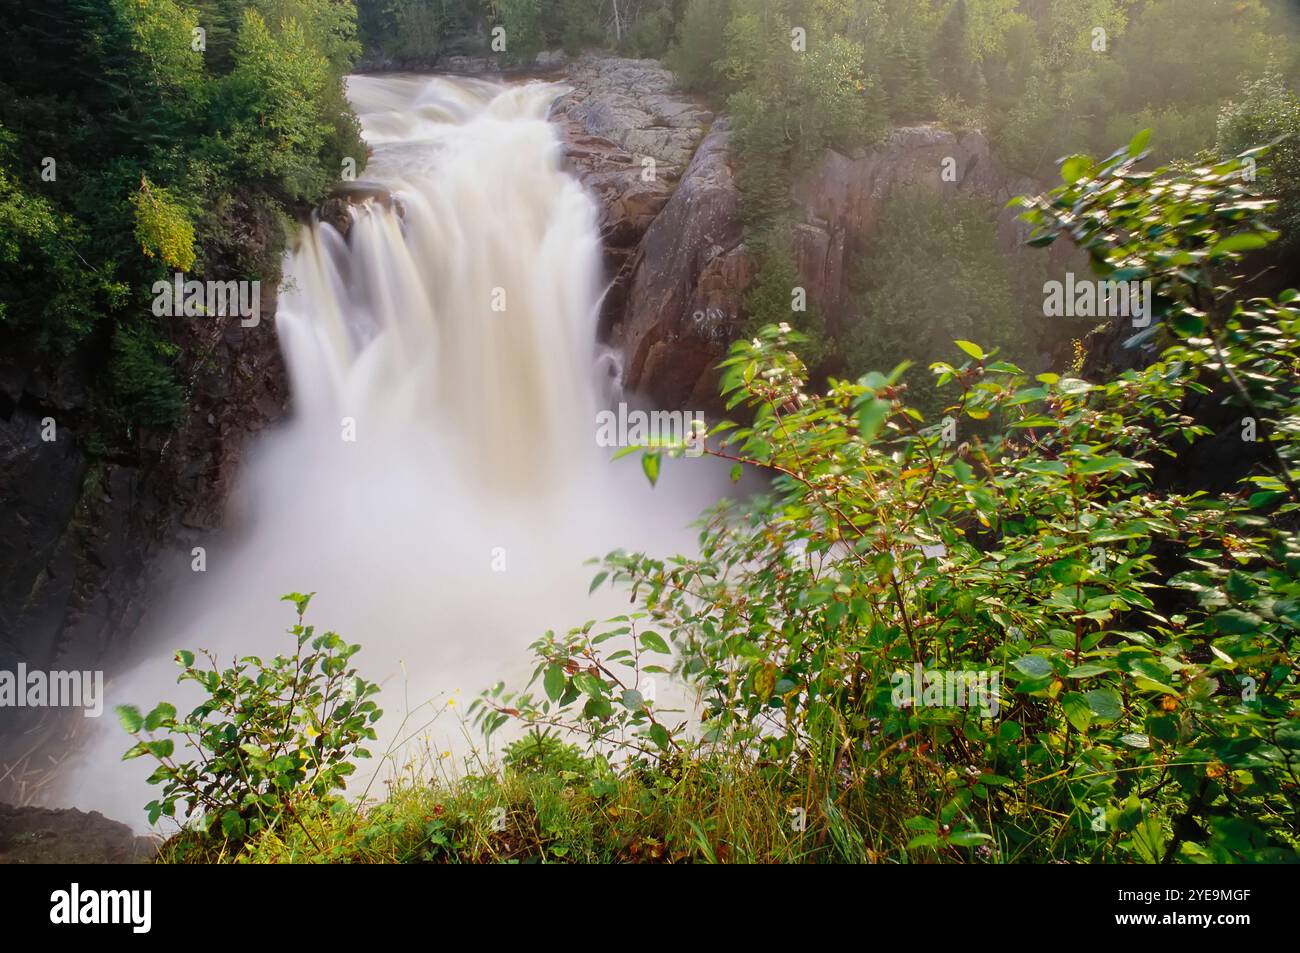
[453,530]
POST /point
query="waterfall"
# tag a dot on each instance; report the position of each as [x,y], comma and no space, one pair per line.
[439,483]
[465,308]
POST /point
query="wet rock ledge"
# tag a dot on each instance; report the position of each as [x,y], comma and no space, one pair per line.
[38,835]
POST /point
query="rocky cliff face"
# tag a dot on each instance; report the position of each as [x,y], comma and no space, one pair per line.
[35,835]
[660,168]
[628,136]
[686,284]
[840,201]
[78,531]
[681,291]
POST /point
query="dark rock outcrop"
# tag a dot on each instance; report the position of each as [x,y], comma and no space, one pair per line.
[37,835]
[686,282]
[686,285]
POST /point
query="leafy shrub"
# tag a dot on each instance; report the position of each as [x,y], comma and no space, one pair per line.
[649,34]
[150,138]
[937,274]
[1147,707]
[415,30]
[268,737]
[141,378]
[699,43]
[769,300]
[545,752]
[1268,111]
[162,228]
[524,25]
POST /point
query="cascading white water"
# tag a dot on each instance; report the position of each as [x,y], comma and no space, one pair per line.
[452,334]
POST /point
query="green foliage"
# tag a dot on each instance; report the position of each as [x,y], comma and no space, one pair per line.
[937,275]
[525,28]
[49,298]
[149,138]
[270,126]
[793,101]
[770,300]
[649,34]
[1147,706]
[1080,97]
[699,43]
[417,29]
[141,378]
[162,227]
[544,752]
[1268,112]
[267,738]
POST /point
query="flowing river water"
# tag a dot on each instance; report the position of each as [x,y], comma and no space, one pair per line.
[439,484]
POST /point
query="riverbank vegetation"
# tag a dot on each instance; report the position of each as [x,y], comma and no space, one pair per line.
[139,139]
[1106,662]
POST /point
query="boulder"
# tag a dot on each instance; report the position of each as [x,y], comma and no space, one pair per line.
[686,283]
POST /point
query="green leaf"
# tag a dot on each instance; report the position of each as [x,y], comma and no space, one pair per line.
[632,700]
[1138,144]
[299,600]
[974,350]
[1075,167]
[871,417]
[1077,710]
[1105,704]
[554,681]
[1188,324]
[1237,622]
[1035,666]
[163,712]
[1242,241]
[1149,840]
[130,718]
[654,642]
[650,466]
[160,749]
[232,825]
